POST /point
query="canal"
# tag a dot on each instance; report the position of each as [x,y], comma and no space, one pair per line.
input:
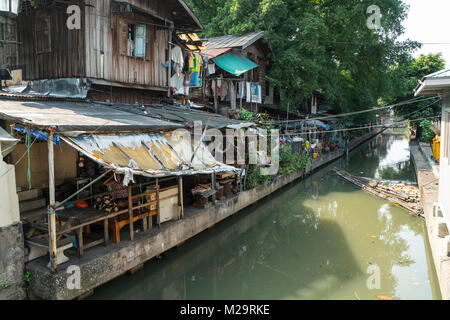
[319,238]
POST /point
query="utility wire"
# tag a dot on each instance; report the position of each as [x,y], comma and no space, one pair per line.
[414,100]
[357,128]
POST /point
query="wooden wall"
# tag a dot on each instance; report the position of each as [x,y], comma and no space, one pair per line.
[9,52]
[259,74]
[104,39]
[66,55]
[93,51]
[125,95]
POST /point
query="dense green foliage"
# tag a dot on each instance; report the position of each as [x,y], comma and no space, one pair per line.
[319,44]
[427,133]
[291,161]
[405,75]
[246,115]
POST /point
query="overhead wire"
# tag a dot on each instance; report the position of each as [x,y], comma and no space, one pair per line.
[414,100]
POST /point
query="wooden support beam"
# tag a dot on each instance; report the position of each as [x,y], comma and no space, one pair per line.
[180,196]
[130,212]
[80,242]
[106,231]
[51,210]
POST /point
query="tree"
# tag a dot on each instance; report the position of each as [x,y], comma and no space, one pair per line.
[319,44]
[405,75]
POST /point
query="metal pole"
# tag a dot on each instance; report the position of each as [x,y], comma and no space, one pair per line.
[287,117]
[51,209]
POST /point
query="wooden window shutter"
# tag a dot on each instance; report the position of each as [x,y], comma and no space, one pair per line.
[140,39]
[42,34]
[123,37]
[148,45]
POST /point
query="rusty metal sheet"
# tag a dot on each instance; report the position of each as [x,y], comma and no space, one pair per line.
[149,154]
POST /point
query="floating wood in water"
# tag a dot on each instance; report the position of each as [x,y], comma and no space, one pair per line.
[400,194]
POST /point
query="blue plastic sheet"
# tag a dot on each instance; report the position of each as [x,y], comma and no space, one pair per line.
[39,135]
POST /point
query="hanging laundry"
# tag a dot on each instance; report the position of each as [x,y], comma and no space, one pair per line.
[191,62]
[224,90]
[211,68]
[232,95]
[177,82]
[196,80]
[176,55]
[241,90]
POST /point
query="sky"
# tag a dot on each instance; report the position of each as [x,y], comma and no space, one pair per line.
[429,21]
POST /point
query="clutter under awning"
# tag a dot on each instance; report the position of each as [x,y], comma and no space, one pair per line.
[148,154]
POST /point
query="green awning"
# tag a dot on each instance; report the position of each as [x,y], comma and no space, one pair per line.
[234,63]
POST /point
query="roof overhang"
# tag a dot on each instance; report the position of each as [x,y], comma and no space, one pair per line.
[432,86]
[73,116]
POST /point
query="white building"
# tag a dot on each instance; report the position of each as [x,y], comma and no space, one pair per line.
[439,84]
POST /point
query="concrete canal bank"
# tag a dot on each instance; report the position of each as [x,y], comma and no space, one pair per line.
[428,181]
[99,265]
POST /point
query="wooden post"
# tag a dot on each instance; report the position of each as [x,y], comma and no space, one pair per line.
[130,212]
[180,196]
[169,69]
[80,242]
[216,108]
[158,216]
[51,210]
[105,229]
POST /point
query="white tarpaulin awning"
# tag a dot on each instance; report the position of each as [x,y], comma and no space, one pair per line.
[148,154]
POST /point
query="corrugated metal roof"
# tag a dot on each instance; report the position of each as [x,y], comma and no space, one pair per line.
[433,84]
[151,155]
[78,116]
[212,53]
[440,74]
[184,116]
[230,41]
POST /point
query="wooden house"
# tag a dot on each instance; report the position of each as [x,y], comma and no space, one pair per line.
[241,59]
[119,48]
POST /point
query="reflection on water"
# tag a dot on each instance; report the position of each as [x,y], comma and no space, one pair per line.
[312,240]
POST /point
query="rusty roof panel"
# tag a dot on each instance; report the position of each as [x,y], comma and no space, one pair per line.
[148,154]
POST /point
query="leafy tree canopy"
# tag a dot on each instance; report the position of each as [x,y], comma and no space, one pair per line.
[320,44]
[405,74]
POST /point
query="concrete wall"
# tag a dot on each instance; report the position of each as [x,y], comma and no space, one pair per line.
[9,203]
[12,258]
[65,164]
[12,262]
[444,170]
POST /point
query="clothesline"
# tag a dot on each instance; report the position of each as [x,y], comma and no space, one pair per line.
[238,80]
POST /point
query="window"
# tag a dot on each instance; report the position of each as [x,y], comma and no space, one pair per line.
[42,34]
[133,39]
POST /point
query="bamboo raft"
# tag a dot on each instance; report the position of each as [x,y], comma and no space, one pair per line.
[405,196]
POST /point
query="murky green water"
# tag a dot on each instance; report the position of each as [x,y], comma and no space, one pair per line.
[315,239]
